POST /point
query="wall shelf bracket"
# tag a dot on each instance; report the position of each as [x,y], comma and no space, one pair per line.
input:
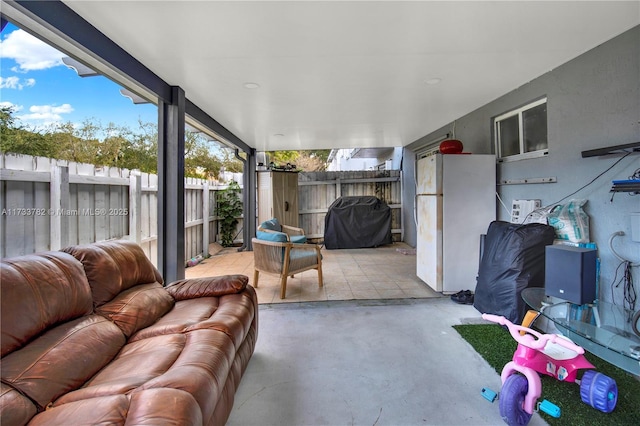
[550,179]
[615,149]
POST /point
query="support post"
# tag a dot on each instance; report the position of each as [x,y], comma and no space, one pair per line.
[249,219]
[171,240]
[135,208]
[59,207]
[205,219]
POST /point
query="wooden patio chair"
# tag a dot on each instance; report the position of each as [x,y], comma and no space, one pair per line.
[285,259]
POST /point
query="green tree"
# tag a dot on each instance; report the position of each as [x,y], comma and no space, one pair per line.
[76,144]
[16,139]
[309,161]
[142,152]
[111,145]
[230,162]
[199,161]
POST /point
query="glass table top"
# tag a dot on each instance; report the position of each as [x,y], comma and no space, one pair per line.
[603,328]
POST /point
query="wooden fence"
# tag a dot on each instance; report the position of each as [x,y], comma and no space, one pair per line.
[48,204]
[318,190]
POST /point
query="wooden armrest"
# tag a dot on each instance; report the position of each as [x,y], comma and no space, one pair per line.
[271,243]
[270,231]
[292,230]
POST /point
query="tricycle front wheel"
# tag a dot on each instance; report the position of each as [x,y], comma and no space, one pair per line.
[512,395]
[598,391]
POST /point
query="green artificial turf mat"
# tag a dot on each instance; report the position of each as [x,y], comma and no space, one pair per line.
[496,346]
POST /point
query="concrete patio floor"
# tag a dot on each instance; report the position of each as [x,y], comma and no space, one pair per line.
[387,272]
[374,346]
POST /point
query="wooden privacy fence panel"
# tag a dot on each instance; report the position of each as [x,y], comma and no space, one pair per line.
[48,204]
[318,190]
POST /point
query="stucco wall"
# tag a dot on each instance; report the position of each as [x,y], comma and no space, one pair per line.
[593,102]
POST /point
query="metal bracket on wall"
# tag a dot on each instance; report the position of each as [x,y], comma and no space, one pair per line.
[551,179]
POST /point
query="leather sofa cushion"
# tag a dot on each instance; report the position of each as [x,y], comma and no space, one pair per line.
[39,291]
[151,358]
[16,408]
[231,314]
[207,287]
[150,407]
[197,362]
[114,266]
[137,307]
[63,358]
[201,370]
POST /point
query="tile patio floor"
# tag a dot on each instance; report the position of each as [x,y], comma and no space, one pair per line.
[387,272]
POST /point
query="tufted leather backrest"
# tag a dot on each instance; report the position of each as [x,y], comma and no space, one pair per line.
[39,291]
[113,267]
[127,289]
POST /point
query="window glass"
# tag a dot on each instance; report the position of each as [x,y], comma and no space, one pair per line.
[534,128]
[509,136]
[522,133]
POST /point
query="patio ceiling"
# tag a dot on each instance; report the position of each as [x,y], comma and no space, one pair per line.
[350,74]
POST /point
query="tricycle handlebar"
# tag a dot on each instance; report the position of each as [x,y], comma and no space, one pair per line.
[532,339]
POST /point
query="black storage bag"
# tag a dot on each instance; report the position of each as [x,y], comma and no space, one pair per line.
[357,222]
[512,260]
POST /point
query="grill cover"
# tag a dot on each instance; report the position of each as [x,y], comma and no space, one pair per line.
[357,222]
[512,260]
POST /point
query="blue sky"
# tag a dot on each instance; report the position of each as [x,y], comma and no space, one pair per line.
[42,90]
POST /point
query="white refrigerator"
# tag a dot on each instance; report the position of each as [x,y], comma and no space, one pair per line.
[455,203]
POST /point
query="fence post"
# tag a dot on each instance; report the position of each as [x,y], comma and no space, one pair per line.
[135,208]
[205,218]
[59,210]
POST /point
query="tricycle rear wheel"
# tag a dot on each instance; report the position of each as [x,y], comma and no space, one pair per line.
[512,395]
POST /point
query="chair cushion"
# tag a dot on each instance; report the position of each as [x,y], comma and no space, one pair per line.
[303,258]
[298,239]
[278,237]
[271,225]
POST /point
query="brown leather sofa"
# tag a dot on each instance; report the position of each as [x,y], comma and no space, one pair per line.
[91,336]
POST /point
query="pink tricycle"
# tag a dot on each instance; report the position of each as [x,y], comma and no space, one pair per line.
[553,355]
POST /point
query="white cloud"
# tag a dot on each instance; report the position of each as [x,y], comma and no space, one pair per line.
[6,104]
[29,52]
[44,115]
[15,82]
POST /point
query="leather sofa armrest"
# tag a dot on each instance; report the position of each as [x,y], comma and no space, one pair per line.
[207,287]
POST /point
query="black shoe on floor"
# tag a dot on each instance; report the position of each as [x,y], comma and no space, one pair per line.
[463,297]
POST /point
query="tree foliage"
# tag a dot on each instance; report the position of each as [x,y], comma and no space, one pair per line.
[110,145]
[308,161]
[16,138]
